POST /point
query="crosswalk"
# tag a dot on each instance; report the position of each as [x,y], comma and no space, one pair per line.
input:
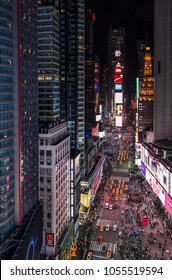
[94,246]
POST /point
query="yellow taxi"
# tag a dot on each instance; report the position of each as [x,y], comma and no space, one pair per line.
[110,187]
[107,199]
[109,253]
[89,256]
[102,228]
[113,191]
[117,191]
[116,198]
[120,192]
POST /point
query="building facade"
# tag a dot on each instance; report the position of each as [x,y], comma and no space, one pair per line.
[116,55]
[19,168]
[146,92]
[54,152]
[163,70]
[72,71]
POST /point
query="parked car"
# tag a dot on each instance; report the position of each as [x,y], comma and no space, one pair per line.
[89,256]
[100,239]
[107,227]
[114,227]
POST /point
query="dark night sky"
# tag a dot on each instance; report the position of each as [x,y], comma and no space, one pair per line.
[136,16]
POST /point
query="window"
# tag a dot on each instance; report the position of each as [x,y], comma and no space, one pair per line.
[41,152]
[48,153]
[49,224]
[48,215]
[48,161]
[48,180]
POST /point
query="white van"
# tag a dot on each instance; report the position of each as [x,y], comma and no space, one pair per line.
[114,227]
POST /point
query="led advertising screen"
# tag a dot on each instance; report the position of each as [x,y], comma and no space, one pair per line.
[50,239]
[119,121]
[138,147]
[160,192]
[118,68]
[118,97]
[118,79]
[118,87]
[168,203]
[160,172]
[119,109]
[143,169]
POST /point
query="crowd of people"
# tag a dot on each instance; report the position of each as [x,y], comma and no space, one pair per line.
[152,241]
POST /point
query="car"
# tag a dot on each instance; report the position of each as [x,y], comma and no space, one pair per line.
[107,227]
[114,227]
[107,199]
[106,205]
[109,253]
[116,198]
[110,206]
[120,192]
[89,256]
[100,239]
[104,248]
[102,228]
[113,191]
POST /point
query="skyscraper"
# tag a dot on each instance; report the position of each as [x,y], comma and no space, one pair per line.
[163,70]
[90,95]
[19,171]
[116,54]
[146,90]
[72,71]
[54,148]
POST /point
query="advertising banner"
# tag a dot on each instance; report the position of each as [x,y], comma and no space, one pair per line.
[119,109]
[138,147]
[168,203]
[155,186]
[118,79]
[119,121]
[143,169]
[159,171]
[118,87]
[50,239]
[118,97]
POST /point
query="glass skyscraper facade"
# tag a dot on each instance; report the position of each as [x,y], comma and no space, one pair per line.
[72,70]
[6,119]
[48,62]
[18,112]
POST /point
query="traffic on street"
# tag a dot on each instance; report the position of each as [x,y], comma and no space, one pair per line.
[125,222]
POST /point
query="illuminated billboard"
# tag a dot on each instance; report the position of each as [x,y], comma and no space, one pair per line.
[160,172]
[143,169]
[50,239]
[118,87]
[119,121]
[154,184]
[138,150]
[119,109]
[119,97]
[118,69]
[118,79]
[168,203]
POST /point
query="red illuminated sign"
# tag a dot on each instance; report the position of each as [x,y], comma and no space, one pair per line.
[118,79]
[50,239]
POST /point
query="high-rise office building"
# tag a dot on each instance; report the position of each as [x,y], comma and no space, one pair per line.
[54,148]
[163,70]
[116,55]
[90,117]
[48,61]
[19,170]
[72,71]
[146,91]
